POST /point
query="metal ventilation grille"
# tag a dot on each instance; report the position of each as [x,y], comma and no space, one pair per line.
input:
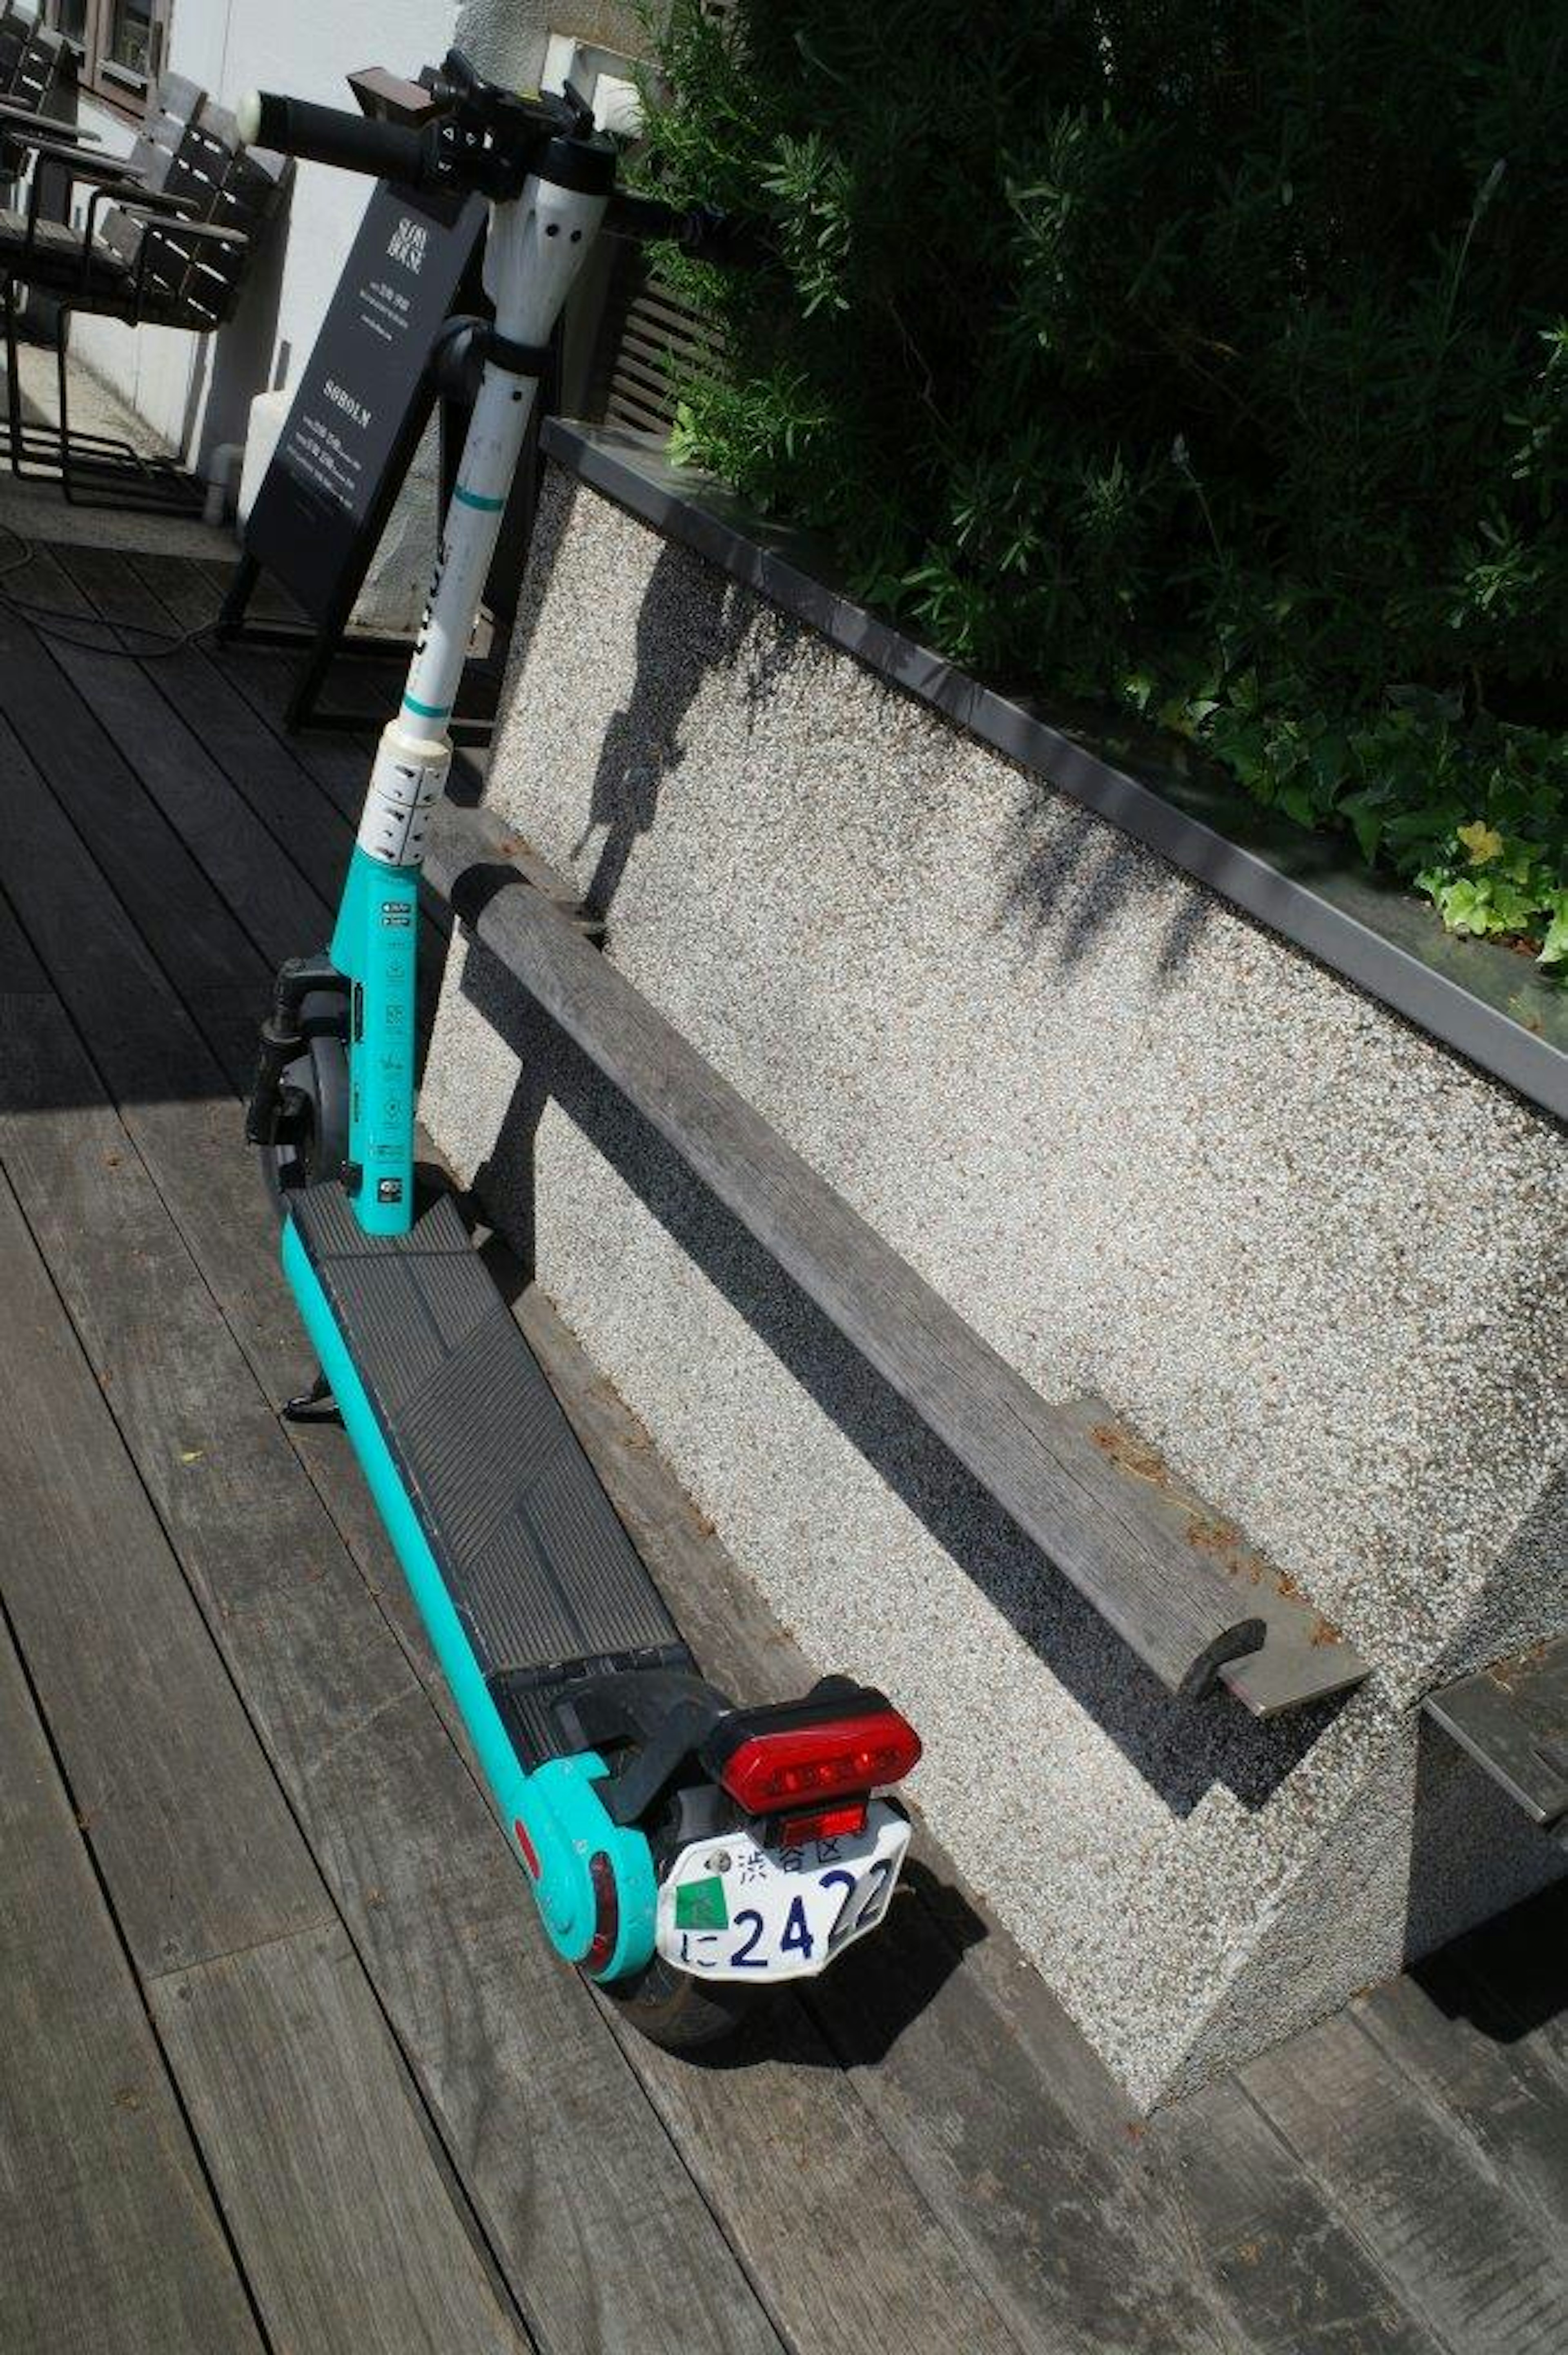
[644,327]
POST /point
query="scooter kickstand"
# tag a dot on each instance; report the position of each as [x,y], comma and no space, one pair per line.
[305,1408]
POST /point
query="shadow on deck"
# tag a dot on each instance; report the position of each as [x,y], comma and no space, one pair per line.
[287,2064]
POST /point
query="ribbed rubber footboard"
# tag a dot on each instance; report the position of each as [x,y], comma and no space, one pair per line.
[547,1583]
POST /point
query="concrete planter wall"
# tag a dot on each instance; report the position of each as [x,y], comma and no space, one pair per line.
[1148,1150]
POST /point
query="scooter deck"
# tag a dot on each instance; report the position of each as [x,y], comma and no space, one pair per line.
[548,1586]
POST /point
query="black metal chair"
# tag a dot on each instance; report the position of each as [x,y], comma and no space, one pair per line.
[37,68]
[37,85]
[14,27]
[28,134]
[167,241]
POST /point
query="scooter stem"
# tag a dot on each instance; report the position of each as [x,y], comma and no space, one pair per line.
[536,246]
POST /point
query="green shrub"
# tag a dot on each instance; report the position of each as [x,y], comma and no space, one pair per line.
[1210,359]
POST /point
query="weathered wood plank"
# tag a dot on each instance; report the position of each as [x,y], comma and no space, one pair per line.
[265,832]
[1071,2245]
[21,973]
[1302,1657]
[1512,1717]
[222,973]
[264,676]
[1504,2095]
[827,2221]
[243,858]
[284,789]
[173,1092]
[185,1821]
[1289,2276]
[326,2175]
[97,958]
[1434,2211]
[1175,1612]
[112,2244]
[309,787]
[550,2130]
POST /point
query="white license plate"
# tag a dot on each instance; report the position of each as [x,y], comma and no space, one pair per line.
[732,1909]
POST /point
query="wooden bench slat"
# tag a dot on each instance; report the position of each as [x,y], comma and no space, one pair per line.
[1180,1617]
[1512,1719]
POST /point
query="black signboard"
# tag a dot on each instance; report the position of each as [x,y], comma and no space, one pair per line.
[363,402]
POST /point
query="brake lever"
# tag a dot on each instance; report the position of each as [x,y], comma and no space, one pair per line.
[460,75]
[581,112]
[388,98]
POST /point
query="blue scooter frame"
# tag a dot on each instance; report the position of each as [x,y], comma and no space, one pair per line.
[539,236]
[647,1791]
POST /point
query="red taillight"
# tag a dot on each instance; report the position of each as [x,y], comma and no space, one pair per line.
[606,1912]
[845,1820]
[829,1760]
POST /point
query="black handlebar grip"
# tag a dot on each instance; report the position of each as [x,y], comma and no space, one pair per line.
[329,134]
[702,231]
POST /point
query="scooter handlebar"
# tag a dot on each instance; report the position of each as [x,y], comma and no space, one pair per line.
[703,231]
[329,134]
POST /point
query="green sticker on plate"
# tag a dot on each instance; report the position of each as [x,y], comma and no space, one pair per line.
[699,1905]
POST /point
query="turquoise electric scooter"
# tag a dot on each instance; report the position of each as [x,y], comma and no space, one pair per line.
[681,1852]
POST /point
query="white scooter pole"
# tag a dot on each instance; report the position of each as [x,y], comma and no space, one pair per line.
[537,244]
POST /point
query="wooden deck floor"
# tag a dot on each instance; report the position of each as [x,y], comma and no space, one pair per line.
[285,2065]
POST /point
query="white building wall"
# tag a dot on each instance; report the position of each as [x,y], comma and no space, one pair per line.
[197,394]
[197,397]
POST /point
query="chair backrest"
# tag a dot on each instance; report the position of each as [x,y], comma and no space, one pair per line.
[15,28]
[44,78]
[190,281]
[171,105]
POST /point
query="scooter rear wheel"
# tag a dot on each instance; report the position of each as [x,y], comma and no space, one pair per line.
[680,2013]
[673,2008]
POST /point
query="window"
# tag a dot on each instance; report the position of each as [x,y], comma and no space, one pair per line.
[119,44]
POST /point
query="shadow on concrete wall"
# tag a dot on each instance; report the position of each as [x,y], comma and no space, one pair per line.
[1064,875]
[1069,878]
[641,745]
[1530,1571]
[1181,1750]
[1474,1853]
[1506,1977]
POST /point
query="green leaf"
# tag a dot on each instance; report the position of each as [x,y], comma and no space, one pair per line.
[1554,947]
